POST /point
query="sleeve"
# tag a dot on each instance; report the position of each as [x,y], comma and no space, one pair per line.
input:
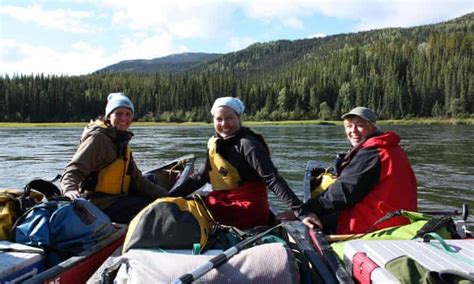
[193,183]
[257,156]
[142,185]
[356,180]
[89,157]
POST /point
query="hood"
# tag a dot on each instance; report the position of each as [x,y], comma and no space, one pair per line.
[98,126]
[386,139]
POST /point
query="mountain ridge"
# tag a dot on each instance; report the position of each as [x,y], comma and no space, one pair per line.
[173,63]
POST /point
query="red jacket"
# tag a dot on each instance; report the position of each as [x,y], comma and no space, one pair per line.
[376,179]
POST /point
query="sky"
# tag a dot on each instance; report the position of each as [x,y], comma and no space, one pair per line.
[76,37]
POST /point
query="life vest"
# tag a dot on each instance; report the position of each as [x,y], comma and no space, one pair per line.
[396,190]
[233,202]
[115,179]
[323,182]
[243,207]
[223,175]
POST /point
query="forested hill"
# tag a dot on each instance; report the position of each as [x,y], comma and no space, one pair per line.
[424,71]
[174,63]
[270,58]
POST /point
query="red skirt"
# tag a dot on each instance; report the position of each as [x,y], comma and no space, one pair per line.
[243,207]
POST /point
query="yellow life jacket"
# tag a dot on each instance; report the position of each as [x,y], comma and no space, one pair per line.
[323,182]
[223,175]
[114,178]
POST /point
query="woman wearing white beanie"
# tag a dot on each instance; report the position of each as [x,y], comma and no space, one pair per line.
[103,169]
[239,168]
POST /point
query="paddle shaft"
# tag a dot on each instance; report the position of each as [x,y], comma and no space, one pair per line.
[220,259]
[464,213]
[335,238]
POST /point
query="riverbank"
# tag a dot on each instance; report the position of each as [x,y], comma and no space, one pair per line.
[412,121]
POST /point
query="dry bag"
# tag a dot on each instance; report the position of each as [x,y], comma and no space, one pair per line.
[169,223]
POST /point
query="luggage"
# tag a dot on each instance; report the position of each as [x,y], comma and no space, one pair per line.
[63,227]
[266,263]
[8,211]
[170,222]
[13,202]
[367,260]
[19,262]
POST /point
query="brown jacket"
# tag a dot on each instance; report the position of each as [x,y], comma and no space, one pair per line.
[97,149]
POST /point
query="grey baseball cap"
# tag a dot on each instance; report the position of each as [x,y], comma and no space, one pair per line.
[362,112]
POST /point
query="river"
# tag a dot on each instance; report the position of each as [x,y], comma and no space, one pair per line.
[442,156]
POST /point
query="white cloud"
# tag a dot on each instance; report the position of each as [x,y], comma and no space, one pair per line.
[58,19]
[142,46]
[181,19]
[24,58]
[278,9]
[371,14]
[285,12]
[238,43]
[293,23]
[82,58]
[403,13]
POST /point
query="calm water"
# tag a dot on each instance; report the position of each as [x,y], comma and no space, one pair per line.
[442,156]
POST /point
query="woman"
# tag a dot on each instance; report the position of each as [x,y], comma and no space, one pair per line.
[373,179]
[103,168]
[239,169]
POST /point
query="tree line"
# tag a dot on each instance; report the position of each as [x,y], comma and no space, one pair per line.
[395,75]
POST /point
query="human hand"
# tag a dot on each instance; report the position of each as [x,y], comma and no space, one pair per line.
[72,194]
[312,220]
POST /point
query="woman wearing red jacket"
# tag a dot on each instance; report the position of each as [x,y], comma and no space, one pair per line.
[374,178]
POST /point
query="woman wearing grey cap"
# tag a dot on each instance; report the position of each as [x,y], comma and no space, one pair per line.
[373,179]
[103,169]
[239,169]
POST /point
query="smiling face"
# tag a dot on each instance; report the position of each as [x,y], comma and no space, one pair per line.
[357,129]
[226,121]
[121,118]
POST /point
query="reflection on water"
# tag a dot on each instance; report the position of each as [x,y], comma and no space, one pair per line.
[441,156]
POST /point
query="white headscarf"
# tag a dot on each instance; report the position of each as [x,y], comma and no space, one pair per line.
[234,103]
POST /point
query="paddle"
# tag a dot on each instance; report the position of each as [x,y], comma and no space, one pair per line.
[464,213]
[323,248]
[220,258]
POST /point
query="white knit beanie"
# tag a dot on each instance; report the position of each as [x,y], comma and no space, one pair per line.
[116,100]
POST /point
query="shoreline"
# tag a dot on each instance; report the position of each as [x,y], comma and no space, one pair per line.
[412,121]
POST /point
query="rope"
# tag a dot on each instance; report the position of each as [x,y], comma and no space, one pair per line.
[446,248]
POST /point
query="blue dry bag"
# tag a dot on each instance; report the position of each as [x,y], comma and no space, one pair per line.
[63,226]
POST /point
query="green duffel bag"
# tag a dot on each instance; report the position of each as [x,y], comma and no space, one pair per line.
[419,225]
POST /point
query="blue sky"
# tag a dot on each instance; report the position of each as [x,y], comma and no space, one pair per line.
[73,37]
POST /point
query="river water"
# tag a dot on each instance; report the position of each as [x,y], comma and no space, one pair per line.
[442,156]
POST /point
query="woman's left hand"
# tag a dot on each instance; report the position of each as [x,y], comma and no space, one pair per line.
[312,220]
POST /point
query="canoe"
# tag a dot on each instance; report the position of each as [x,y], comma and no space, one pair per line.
[368,261]
[78,269]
